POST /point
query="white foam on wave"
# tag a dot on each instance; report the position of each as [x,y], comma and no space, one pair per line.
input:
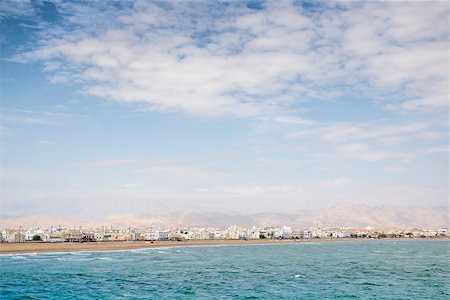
[23,255]
[104,258]
[80,253]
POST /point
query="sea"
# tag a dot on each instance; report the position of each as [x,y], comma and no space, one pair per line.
[325,270]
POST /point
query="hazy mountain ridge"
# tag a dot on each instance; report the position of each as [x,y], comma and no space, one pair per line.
[357,215]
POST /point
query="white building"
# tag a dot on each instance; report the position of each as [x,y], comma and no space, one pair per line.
[284,232]
[442,231]
[13,236]
[99,236]
[307,234]
[156,235]
[341,234]
[43,234]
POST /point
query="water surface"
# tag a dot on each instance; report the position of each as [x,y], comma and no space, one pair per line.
[356,270]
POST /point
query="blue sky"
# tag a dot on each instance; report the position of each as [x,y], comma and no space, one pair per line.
[237,107]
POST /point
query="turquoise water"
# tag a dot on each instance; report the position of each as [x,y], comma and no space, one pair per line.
[364,270]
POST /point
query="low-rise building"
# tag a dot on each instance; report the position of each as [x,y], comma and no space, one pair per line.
[307,234]
[156,235]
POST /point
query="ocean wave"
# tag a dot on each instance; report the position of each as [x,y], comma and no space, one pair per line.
[18,257]
[104,258]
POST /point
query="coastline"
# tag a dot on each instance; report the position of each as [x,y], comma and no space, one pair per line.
[42,247]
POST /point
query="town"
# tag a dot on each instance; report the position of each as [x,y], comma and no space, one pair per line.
[104,234]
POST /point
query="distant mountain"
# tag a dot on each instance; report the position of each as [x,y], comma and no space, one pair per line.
[351,215]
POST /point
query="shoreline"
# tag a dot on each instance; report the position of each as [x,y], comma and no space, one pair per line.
[43,247]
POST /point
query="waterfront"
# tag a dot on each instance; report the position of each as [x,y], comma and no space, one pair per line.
[46,247]
[383,269]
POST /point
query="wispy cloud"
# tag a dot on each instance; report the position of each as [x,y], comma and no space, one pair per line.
[16,8]
[41,113]
[26,120]
[443,149]
[103,163]
[31,117]
[362,151]
[371,141]
[45,142]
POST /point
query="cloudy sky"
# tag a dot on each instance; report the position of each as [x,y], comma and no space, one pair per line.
[236,107]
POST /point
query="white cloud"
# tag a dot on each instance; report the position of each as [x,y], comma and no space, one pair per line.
[243,62]
[434,102]
[16,8]
[362,151]
[371,141]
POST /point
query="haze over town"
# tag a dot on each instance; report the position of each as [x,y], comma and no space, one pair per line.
[237,108]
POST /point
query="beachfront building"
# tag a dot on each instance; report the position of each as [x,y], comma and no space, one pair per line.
[206,233]
[13,236]
[340,234]
[99,236]
[307,234]
[201,233]
[43,235]
[442,231]
[297,234]
[218,234]
[178,234]
[263,234]
[72,236]
[116,234]
[233,233]
[87,237]
[284,232]
[55,237]
[253,233]
[156,235]
[135,235]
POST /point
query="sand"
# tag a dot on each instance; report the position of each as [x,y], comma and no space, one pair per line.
[32,247]
[35,247]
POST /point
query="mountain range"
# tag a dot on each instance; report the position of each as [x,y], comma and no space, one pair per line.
[349,215]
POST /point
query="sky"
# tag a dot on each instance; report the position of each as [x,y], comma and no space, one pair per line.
[239,107]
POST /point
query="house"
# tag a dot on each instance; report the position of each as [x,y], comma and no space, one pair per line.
[156,235]
[442,231]
[87,237]
[72,236]
[307,234]
[297,234]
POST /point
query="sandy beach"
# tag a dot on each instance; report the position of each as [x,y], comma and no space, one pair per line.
[35,247]
[32,247]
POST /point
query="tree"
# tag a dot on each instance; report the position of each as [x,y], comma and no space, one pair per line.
[37,237]
[382,236]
